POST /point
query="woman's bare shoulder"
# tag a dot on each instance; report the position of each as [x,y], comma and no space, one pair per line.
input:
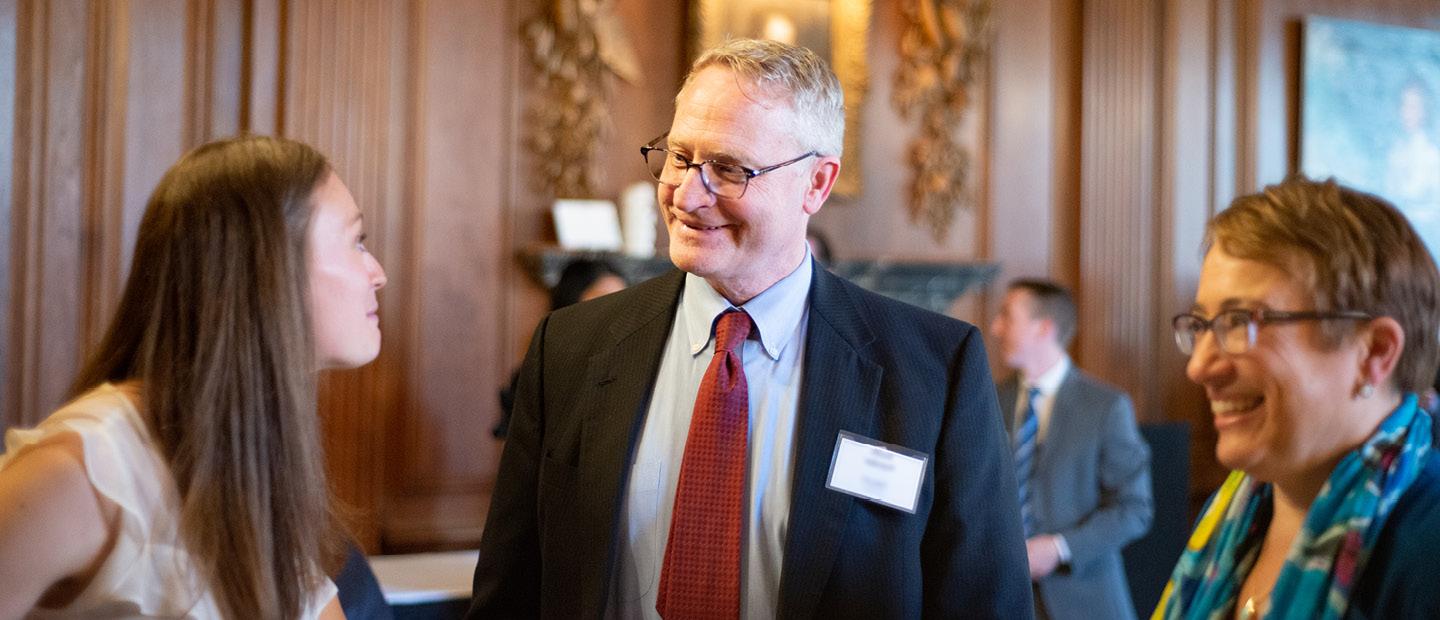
[54,526]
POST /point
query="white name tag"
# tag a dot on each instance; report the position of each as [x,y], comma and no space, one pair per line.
[881,473]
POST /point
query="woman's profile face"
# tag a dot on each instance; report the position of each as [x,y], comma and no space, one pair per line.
[1279,409]
[344,277]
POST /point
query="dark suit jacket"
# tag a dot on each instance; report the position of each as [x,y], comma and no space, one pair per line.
[873,366]
[1091,484]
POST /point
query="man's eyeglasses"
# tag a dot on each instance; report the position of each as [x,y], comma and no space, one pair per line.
[723,179]
[1235,330]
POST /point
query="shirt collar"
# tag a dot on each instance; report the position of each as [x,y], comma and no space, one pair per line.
[1049,381]
[776,311]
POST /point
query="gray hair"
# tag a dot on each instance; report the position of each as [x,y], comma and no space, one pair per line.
[792,72]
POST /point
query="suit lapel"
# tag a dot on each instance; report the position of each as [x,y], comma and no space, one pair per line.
[621,377]
[1058,430]
[1008,392]
[839,391]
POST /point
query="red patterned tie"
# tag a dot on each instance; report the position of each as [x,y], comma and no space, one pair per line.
[701,574]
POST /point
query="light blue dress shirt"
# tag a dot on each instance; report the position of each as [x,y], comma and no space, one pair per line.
[773,359]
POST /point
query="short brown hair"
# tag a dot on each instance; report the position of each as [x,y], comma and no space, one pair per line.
[1353,251]
[1053,302]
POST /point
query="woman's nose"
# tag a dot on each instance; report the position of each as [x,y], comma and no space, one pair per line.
[1206,362]
[377,274]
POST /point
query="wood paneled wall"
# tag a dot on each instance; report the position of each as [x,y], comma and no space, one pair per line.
[74,198]
[8,49]
[1108,132]
[1118,169]
[1077,166]
[1192,130]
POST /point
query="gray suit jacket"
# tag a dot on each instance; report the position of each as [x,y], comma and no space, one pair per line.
[1091,484]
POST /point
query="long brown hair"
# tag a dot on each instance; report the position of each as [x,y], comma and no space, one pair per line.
[214,325]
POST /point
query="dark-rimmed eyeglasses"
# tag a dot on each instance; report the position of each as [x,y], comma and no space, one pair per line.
[724,179]
[1235,330]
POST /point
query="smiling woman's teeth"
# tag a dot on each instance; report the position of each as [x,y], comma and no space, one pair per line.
[1220,407]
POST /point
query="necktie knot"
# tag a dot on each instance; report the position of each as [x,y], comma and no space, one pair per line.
[731,330]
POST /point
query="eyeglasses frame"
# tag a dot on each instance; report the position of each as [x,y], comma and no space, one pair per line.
[750,173]
[1259,317]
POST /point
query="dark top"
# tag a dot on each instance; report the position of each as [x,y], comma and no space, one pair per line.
[360,595]
[1402,577]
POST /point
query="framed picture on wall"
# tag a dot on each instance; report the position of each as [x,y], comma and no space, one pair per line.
[1370,114]
[837,30]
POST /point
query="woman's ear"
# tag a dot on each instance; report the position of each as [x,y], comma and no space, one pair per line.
[1383,340]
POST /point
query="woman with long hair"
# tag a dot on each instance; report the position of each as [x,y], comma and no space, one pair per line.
[185,477]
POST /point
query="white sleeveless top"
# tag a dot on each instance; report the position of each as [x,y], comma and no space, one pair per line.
[148,574]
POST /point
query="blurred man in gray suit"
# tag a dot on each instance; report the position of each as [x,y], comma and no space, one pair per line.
[1082,468]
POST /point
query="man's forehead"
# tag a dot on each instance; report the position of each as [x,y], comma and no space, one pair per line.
[1020,296]
[720,77]
[707,143]
[725,122]
[717,91]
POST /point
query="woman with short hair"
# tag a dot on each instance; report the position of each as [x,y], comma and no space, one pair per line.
[1314,326]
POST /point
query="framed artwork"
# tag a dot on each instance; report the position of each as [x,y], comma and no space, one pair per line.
[1370,116]
[837,30]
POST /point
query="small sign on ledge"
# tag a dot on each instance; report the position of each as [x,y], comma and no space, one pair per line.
[587,224]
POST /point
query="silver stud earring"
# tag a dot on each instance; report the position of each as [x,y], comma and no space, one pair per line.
[1367,390]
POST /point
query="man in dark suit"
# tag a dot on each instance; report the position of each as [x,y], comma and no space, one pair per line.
[1087,493]
[752,436]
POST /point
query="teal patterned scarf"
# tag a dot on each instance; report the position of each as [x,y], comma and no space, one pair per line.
[1331,549]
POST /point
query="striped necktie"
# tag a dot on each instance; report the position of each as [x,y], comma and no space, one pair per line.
[1025,442]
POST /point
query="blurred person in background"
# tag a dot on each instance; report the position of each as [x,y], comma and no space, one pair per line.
[1082,468]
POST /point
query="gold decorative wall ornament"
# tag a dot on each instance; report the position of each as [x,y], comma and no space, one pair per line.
[575,48]
[942,51]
